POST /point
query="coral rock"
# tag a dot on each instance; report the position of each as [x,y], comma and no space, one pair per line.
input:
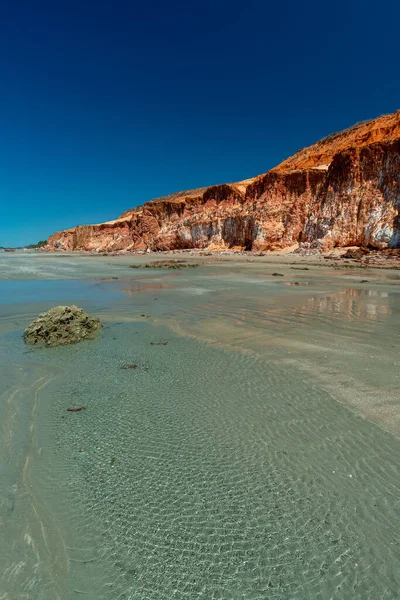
[61,325]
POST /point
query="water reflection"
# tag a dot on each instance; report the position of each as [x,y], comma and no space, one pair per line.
[352,304]
[135,287]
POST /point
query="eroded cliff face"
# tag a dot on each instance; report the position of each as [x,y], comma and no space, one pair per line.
[359,202]
[343,190]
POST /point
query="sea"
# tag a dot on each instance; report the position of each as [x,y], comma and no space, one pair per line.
[249,452]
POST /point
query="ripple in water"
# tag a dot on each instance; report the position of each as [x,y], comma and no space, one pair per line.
[205,473]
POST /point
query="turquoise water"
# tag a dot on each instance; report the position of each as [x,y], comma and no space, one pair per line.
[223,465]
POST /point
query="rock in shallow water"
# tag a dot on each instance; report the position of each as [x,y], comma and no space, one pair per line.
[60,326]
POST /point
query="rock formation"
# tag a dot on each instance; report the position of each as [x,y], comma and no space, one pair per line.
[344,190]
[60,326]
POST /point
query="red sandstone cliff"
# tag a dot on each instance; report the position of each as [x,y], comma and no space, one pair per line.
[341,191]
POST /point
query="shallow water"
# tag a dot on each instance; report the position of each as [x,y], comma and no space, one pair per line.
[223,466]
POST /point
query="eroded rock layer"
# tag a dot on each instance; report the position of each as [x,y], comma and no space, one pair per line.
[341,191]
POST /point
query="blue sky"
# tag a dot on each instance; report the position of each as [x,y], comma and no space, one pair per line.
[104,105]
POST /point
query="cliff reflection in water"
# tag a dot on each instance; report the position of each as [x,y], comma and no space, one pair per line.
[352,304]
[344,337]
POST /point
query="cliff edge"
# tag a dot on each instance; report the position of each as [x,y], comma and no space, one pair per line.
[342,191]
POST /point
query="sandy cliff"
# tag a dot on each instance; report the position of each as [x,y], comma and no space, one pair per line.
[343,190]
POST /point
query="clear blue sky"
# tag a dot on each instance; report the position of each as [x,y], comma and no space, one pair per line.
[104,105]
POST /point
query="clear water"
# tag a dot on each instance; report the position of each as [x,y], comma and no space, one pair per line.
[223,466]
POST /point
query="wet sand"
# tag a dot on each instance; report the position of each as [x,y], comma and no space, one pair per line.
[246,454]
